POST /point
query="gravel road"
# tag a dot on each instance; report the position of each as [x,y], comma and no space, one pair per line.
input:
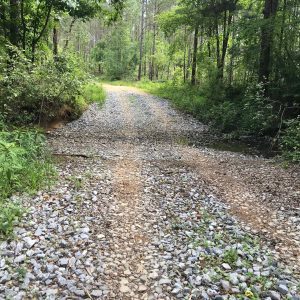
[139,212]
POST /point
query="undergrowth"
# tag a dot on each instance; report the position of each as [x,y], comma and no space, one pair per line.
[94,93]
[25,167]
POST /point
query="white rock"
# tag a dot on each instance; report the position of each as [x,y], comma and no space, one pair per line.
[29,242]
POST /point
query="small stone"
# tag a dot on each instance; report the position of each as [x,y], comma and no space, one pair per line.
[85,230]
[233,277]
[63,262]
[50,292]
[20,259]
[96,293]
[19,247]
[72,262]
[50,268]
[153,275]
[63,244]
[176,291]
[283,289]
[5,277]
[29,242]
[79,292]
[164,281]
[225,285]
[206,278]
[127,272]
[226,266]
[239,263]
[274,295]
[196,293]
[124,289]
[211,293]
[39,232]
[61,281]
[2,263]
[142,288]
[235,290]
[265,273]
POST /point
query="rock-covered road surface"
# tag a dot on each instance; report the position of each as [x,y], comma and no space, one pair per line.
[138,212]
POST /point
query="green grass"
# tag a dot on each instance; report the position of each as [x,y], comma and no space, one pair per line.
[94,93]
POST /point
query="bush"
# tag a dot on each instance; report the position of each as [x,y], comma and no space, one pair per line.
[224,116]
[24,167]
[290,141]
[257,113]
[10,213]
[34,93]
[24,162]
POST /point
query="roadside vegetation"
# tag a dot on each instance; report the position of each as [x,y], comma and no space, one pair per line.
[25,166]
[93,92]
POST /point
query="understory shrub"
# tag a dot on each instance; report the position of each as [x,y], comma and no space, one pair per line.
[224,116]
[10,213]
[258,116]
[30,93]
[25,166]
[290,140]
[24,162]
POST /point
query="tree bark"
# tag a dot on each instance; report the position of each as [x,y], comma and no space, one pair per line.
[69,33]
[55,41]
[270,10]
[3,20]
[24,27]
[141,40]
[152,65]
[195,52]
[226,30]
[13,22]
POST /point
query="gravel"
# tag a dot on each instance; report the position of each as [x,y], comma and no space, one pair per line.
[132,218]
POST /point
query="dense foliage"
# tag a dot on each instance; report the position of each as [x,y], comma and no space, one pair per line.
[24,167]
[42,77]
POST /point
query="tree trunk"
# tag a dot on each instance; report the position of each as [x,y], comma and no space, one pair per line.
[187,76]
[231,64]
[226,30]
[55,42]
[195,50]
[69,33]
[267,30]
[141,40]
[152,65]
[13,22]
[3,20]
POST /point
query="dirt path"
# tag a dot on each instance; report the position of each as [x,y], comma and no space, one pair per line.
[140,214]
